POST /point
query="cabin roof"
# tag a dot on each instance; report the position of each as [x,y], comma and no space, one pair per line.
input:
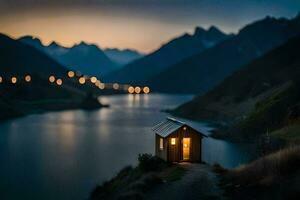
[169,126]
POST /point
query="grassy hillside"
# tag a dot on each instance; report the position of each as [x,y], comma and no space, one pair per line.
[239,94]
[279,111]
[276,176]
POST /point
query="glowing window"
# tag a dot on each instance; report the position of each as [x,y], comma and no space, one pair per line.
[173,141]
[161,143]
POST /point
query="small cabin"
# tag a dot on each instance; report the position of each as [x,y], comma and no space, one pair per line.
[175,141]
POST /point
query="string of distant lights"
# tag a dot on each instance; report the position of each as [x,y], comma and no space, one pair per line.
[82,80]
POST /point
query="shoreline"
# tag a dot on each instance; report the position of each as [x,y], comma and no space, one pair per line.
[41,108]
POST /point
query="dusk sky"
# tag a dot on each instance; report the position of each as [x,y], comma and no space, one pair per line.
[140,24]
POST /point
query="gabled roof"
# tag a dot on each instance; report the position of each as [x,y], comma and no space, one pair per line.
[169,126]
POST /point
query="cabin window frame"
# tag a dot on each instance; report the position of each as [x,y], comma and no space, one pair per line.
[161,144]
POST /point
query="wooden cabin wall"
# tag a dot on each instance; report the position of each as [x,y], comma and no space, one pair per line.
[158,152]
[175,151]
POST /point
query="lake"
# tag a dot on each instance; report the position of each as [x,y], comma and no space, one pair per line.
[64,155]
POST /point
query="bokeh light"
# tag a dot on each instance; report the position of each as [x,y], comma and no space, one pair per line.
[14,80]
[93,79]
[116,86]
[51,79]
[71,74]
[137,90]
[102,86]
[59,82]
[146,90]
[27,78]
[81,80]
[131,90]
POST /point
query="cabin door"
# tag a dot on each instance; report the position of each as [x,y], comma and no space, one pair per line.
[186,144]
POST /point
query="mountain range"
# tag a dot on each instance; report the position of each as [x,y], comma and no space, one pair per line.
[122,57]
[89,59]
[138,71]
[203,71]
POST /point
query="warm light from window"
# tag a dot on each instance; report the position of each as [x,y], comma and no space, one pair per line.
[1,79]
[137,90]
[173,141]
[81,80]
[93,79]
[131,90]
[71,74]
[51,79]
[59,81]
[146,90]
[14,80]
[27,78]
[161,143]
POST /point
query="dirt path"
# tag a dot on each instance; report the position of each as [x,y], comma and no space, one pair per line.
[198,183]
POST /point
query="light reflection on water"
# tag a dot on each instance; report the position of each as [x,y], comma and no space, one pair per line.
[63,155]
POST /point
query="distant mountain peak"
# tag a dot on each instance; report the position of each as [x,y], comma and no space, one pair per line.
[54,44]
[199,30]
[28,38]
[212,32]
[214,29]
[122,56]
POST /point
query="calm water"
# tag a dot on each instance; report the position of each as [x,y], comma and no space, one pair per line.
[64,155]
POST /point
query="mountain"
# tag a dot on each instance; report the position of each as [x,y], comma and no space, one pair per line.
[18,60]
[201,72]
[262,96]
[168,54]
[122,57]
[89,59]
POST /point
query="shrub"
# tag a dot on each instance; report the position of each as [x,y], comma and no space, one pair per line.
[147,163]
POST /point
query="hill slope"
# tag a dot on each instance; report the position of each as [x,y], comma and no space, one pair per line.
[203,71]
[247,91]
[172,52]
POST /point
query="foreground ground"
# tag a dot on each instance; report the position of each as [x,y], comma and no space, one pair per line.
[154,179]
[199,182]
